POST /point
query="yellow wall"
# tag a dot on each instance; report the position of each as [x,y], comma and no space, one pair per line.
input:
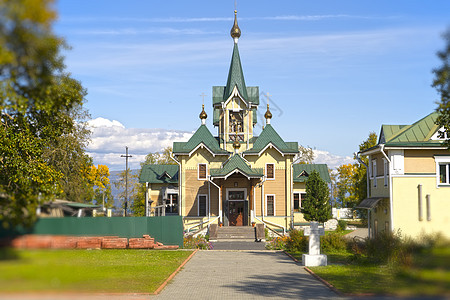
[422,161]
[406,206]
[380,190]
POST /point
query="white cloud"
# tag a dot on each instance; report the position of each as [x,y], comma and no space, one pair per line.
[333,161]
[109,139]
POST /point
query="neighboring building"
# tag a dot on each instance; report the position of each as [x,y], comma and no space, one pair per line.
[409,180]
[236,178]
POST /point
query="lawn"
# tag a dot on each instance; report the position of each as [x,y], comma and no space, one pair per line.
[429,274]
[115,271]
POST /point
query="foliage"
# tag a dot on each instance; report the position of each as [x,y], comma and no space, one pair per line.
[136,192]
[306,155]
[112,271]
[316,205]
[342,225]
[441,83]
[346,185]
[159,158]
[198,242]
[42,137]
[277,243]
[99,176]
[297,241]
[333,242]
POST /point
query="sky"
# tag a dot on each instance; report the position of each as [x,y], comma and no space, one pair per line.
[334,70]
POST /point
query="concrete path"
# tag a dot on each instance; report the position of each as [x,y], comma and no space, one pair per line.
[239,245]
[244,275]
[359,232]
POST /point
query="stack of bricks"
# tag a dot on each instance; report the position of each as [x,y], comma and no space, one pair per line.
[73,242]
[142,243]
[114,242]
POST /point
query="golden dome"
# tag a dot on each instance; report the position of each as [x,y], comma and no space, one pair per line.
[235,30]
[203,114]
[268,114]
[236,145]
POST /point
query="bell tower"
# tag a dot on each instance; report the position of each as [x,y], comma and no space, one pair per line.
[235,104]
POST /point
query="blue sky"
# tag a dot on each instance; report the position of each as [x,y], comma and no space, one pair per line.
[335,70]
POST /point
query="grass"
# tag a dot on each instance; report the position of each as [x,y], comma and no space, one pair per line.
[429,274]
[115,271]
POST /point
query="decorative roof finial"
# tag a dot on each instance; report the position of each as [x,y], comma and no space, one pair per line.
[236,145]
[235,30]
[268,115]
[203,115]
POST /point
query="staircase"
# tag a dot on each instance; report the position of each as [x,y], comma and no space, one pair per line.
[236,234]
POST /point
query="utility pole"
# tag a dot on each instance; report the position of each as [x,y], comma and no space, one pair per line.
[126,178]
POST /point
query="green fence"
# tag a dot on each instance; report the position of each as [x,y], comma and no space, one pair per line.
[167,230]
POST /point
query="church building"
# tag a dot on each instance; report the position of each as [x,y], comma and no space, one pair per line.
[235,178]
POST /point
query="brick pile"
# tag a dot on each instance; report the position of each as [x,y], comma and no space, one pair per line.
[86,242]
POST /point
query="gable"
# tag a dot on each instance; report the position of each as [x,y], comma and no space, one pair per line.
[201,138]
[270,138]
[302,171]
[159,174]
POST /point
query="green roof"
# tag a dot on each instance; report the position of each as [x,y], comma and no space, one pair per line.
[269,135]
[235,76]
[302,171]
[159,174]
[234,163]
[202,135]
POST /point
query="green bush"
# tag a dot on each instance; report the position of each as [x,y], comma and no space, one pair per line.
[297,241]
[333,242]
[342,225]
[278,243]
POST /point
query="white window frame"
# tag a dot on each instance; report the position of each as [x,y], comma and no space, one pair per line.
[386,172]
[274,202]
[374,172]
[198,171]
[198,204]
[442,160]
[267,178]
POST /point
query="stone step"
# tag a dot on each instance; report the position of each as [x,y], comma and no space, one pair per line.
[235,233]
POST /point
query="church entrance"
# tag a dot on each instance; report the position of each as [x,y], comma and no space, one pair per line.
[236,206]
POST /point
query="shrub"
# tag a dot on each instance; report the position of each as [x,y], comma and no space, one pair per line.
[278,243]
[297,241]
[342,225]
[333,242]
[199,242]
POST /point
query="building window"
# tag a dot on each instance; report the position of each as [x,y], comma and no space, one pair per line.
[302,197]
[172,204]
[296,202]
[386,226]
[443,173]
[270,205]
[202,171]
[270,171]
[386,172]
[202,205]
[374,172]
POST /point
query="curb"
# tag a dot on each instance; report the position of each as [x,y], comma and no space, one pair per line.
[162,286]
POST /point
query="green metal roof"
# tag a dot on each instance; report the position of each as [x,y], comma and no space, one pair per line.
[159,174]
[202,135]
[269,135]
[302,171]
[219,94]
[236,162]
[419,132]
[235,76]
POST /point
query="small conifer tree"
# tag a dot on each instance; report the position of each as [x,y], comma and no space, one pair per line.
[316,206]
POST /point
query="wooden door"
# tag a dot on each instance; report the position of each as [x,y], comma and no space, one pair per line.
[236,213]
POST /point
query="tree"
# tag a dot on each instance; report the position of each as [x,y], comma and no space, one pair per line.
[306,155]
[38,104]
[99,176]
[360,175]
[441,83]
[316,206]
[346,185]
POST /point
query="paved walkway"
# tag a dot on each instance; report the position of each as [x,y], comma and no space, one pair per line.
[244,275]
[359,232]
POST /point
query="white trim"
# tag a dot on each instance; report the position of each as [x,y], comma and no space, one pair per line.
[271,146]
[201,145]
[414,175]
[235,93]
[386,171]
[274,201]
[442,160]
[273,178]
[374,172]
[198,171]
[198,205]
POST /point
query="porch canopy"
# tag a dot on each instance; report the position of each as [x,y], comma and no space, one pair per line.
[369,203]
[236,164]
